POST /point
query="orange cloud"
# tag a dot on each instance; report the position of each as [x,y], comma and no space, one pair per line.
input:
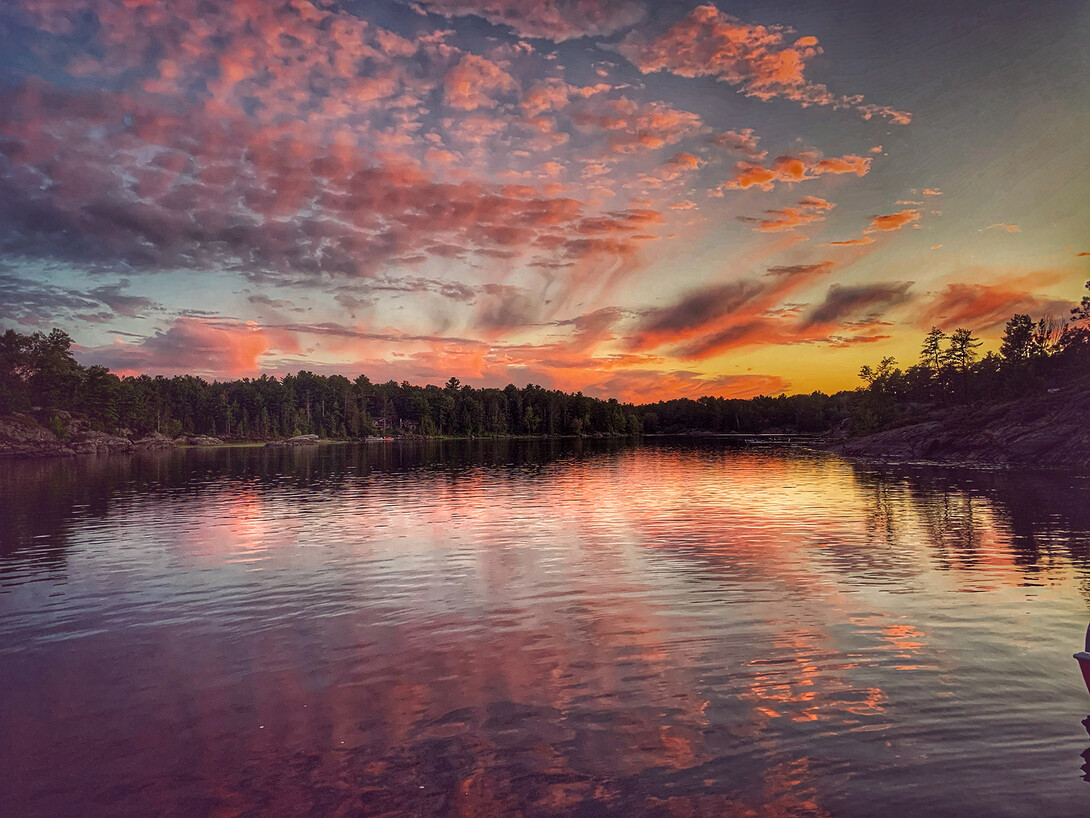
[893,221]
[793,169]
[809,209]
[760,61]
[721,315]
[982,307]
[1007,228]
[850,242]
[548,95]
[212,348]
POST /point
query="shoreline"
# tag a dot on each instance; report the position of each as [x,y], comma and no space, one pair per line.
[1044,432]
[23,437]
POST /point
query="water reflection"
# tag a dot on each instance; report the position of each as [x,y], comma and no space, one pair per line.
[537,628]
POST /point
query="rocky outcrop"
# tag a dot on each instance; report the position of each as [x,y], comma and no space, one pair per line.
[154,441]
[298,440]
[90,442]
[1050,431]
[22,436]
[59,434]
[198,440]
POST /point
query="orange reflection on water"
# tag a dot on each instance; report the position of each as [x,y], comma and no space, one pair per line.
[665,632]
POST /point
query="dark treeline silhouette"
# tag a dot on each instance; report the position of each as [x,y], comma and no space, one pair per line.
[1032,357]
[38,372]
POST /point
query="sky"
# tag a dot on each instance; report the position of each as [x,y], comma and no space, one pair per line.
[632,199]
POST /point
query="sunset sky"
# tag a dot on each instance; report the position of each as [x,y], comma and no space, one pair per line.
[630,198]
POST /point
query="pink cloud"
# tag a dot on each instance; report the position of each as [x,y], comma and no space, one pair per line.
[556,20]
[473,82]
[761,61]
[213,348]
[633,127]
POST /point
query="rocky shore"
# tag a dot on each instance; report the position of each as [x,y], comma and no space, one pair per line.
[22,435]
[298,440]
[1047,431]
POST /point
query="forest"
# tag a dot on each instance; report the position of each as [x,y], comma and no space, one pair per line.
[39,374]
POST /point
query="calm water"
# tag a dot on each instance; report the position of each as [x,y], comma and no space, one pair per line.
[538,629]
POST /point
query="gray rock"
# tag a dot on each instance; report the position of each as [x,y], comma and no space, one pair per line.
[90,442]
[154,441]
[22,436]
[1049,431]
[203,440]
[298,440]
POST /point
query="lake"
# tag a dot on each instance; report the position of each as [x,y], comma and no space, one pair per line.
[539,628]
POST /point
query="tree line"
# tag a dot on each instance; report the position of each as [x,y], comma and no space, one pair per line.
[38,372]
[1032,356]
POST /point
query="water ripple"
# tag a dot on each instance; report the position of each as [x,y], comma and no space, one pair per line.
[538,628]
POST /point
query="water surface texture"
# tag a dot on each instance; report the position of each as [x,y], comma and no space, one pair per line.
[539,629]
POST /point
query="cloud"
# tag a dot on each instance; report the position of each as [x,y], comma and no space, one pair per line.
[699,308]
[473,83]
[844,301]
[744,141]
[761,61]
[682,162]
[1007,228]
[547,95]
[555,20]
[791,169]
[982,307]
[893,221]
[130,306]
[808,210]
[195,191]
[191,346]
[709,319]
[634,127]
[33,303]
[850,242]
[803,270]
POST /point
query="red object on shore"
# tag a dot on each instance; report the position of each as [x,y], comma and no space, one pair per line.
[1084,660]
